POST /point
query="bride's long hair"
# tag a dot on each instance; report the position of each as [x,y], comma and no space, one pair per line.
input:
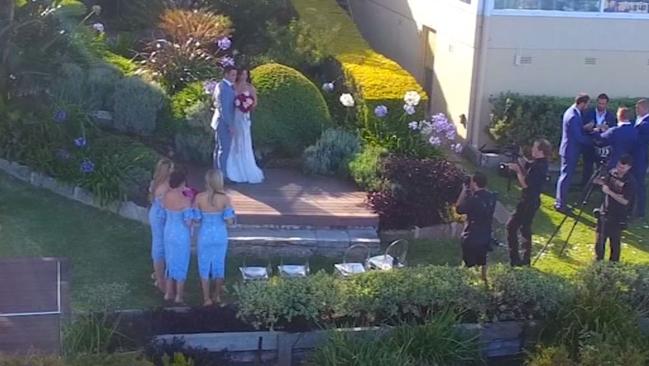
[240,72]
[214,184]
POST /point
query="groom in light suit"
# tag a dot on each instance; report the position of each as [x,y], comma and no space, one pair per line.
[223,119]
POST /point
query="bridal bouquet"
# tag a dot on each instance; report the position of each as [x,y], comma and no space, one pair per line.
[244,102]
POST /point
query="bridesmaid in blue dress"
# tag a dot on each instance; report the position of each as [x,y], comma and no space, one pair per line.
[177,236]
[157,189]
[214,211]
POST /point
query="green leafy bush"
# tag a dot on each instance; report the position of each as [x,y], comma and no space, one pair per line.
[129,15]
[91,88]
[298,45]
[188,51]
[137,104]
[125,65]
[365,167]
[436,342]
[551,356]
[192,109]
[527,293]
[522,118]
[291,113]
[332,153]
[266,304]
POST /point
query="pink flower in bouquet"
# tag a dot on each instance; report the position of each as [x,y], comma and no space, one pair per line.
[190,193]
[244,102]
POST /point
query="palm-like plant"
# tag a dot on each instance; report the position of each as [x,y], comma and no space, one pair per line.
[201,26]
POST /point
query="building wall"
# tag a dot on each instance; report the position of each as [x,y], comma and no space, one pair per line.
[562,50]
[395,29]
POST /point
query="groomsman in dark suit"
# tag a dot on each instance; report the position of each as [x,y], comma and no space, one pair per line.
[599,116]
[573,136]
[641,155]
[621,138]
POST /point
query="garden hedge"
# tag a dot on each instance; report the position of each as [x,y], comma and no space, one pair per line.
[374,78]
[519,119]
[291,113]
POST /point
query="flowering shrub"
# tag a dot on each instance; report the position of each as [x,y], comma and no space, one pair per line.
[193,48]
[415,192]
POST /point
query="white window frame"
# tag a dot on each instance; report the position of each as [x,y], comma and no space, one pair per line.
[562,14]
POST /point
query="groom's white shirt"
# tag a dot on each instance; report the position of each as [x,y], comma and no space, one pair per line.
[217,103]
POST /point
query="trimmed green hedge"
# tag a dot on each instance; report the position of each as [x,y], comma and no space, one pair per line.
[374,79]
[291,113]
[520,118]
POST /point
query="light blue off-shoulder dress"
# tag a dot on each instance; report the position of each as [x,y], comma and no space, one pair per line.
[157,222]
[212,242]
[177,242]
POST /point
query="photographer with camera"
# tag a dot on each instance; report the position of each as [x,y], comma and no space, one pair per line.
[619,188]
[530,175]
[478,204]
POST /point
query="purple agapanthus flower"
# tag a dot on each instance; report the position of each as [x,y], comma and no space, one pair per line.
[209,86]
[409,109]
[80,142]
[381,111]
[435,141]
[87,166]
[227,61]
[60,116]
[224,43]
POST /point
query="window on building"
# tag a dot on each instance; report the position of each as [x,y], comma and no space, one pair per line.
[557,5]
[614,6]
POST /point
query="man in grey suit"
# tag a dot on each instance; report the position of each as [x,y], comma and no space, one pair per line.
[223,119]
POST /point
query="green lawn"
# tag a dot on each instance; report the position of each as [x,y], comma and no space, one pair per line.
[580,249]
[104,249]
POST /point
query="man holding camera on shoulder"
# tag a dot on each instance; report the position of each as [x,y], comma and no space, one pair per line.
[478,204]
[619,188]
[530,175]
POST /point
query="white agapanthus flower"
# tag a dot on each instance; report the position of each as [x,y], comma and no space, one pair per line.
[412,98]
[347,100]
[328,87]
[414,125]
[98,27]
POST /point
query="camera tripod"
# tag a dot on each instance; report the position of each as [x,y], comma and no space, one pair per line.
[584,201]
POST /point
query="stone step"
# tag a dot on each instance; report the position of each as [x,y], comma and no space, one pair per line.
[299,242]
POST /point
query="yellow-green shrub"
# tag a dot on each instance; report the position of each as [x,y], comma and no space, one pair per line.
[373,78]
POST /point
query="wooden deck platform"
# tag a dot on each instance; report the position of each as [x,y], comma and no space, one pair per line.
[289,198]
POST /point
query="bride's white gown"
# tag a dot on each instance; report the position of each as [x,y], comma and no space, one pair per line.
[241,165]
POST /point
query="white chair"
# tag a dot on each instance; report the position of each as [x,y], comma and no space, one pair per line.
[293,270]
[394,257]
[255,273]
[345,269]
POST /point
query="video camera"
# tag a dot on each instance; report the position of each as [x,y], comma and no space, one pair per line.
[513,153]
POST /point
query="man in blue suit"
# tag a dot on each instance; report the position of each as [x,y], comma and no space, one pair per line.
[223,119]
[640,155]
[621,138]
[573,136]
[600,116]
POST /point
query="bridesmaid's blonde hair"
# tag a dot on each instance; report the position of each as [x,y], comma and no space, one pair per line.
[214,183]
[163,170]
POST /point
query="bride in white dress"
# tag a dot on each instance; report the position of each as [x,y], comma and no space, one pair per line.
[241,164]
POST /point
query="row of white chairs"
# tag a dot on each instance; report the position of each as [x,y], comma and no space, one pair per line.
[394,257]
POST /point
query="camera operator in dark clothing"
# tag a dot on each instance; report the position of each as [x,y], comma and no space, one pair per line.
[619,188]
[479,205]
[531,176]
